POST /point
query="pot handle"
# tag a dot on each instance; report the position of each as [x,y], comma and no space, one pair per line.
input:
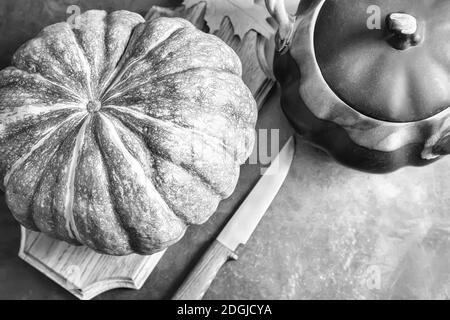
[439,143]
[285,21]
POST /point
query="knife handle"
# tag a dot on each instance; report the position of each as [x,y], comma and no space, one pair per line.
[199,280]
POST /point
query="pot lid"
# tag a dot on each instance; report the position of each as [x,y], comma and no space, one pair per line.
[388,59]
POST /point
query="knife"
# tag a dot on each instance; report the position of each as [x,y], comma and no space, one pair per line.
[240,227]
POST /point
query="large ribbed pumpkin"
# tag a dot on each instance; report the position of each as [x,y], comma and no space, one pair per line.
[119,133]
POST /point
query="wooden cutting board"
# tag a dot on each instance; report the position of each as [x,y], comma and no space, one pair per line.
[86,273]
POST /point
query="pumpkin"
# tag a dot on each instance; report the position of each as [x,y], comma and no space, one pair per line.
[367,81]
[118,133]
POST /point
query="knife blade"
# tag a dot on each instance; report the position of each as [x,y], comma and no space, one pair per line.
[240,227]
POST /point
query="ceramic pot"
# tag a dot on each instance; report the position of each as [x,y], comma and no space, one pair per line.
[368,81]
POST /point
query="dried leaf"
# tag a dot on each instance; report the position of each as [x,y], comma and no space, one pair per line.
[244,15]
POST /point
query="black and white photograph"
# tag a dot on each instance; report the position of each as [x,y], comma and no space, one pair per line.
[246,152]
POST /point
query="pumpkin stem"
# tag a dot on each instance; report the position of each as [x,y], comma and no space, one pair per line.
[404,31]
[93,106]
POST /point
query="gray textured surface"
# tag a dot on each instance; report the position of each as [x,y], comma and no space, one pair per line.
[330,233]
[335,233]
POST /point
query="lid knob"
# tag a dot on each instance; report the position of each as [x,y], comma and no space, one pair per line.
[404,31]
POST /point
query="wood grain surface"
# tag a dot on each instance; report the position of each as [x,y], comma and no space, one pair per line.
[82,271]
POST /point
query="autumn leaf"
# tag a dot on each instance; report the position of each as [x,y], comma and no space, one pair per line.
[244,15]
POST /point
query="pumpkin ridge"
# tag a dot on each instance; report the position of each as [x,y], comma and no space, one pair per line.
[117,77]
[93,210]
[63,87]
[85,62]
[107,19]
[68,205]
[180,216]
[55,55]
[239,127]
[118,218]
[178,130]
[116,72]
[218,75]
[20,196]
[45,207]
[133,85]
[162,155]
[121,223]
[47,109]
[106,57]
[98,69]
[235,68]
[20,141]
[31,89]
[159,123]
[191,69]
[237,60]
[121,129]
[39,76]
[108,116]
[147,182]
[24,157]
[158,185]
[105,82]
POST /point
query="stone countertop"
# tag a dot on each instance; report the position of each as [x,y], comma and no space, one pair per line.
[331,233]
